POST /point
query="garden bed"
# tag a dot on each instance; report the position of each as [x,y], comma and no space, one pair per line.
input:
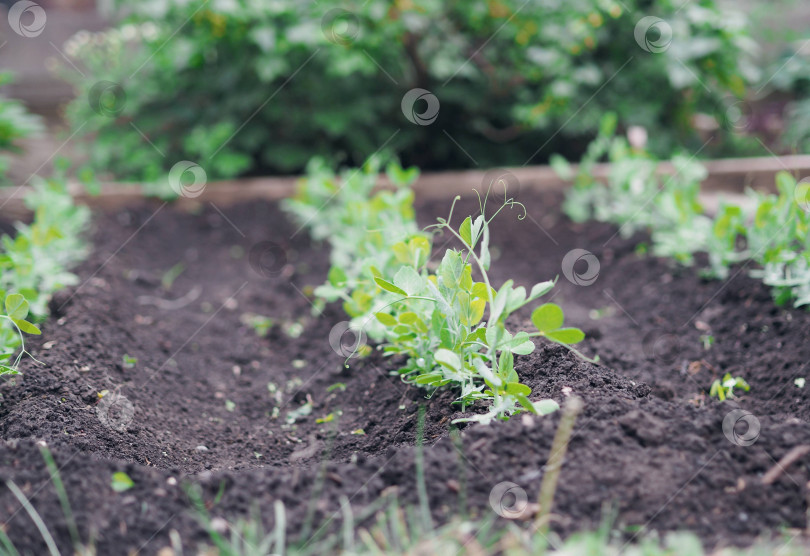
[650,443]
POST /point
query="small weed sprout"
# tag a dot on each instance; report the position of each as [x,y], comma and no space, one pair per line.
[121,482]
[707,340]
[724,388]
[261,325]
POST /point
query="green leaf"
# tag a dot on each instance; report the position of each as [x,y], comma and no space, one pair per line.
[541,289]
[408,317]
[515,388]
[548,317]
[409,281]
[431,378]
[451,268]
[506,365]
[337,277]
[389,287]
[27,327]
[544,407]
[479,289]
[386,319]
[465,231]
[486,257]
[516,299]
[566,335]
[499,303]
[448,359]
[785,183]
[486,373]
[401,252]
[608,123]
[521,344]
[477,335]
[29,294]
[420,247]
[400,176]
[497,336]
[121,482]
[471,311]
[526,403]
[16,306]
[802,194]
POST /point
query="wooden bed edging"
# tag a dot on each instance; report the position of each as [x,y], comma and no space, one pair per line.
[729,175]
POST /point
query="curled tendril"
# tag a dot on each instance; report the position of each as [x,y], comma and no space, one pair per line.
[507,201]
[511,202]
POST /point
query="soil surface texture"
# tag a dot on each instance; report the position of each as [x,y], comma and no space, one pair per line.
[189,355]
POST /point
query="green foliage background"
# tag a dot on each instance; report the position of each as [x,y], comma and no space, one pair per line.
[257,87]
[15,123]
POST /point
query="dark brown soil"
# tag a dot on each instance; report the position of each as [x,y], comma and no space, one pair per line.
[208,400]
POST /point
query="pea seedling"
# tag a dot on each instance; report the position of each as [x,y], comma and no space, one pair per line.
[438,323]
[722,389]
[775,234]
[34,263]
[434,318]
[15,312]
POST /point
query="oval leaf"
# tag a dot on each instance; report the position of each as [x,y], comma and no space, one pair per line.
[386,319]
[430,378]
[567,335]
[389,287]
[121,482]
[544,407]
[448,358]
[16,306]
[27,327]
[541,289]
[526,403]
[515,388]
[409,281]
[548,317]
[465,231]
[408,318]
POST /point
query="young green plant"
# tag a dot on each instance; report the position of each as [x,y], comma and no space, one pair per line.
[431,316]
[438,323]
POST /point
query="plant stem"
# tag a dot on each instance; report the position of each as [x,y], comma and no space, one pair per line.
[424,505]
[559,447]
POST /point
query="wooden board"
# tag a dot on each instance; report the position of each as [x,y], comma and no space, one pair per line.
[731,175]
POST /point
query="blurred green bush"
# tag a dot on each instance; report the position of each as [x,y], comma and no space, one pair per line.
[257,87]
[15,123]
[791,76]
